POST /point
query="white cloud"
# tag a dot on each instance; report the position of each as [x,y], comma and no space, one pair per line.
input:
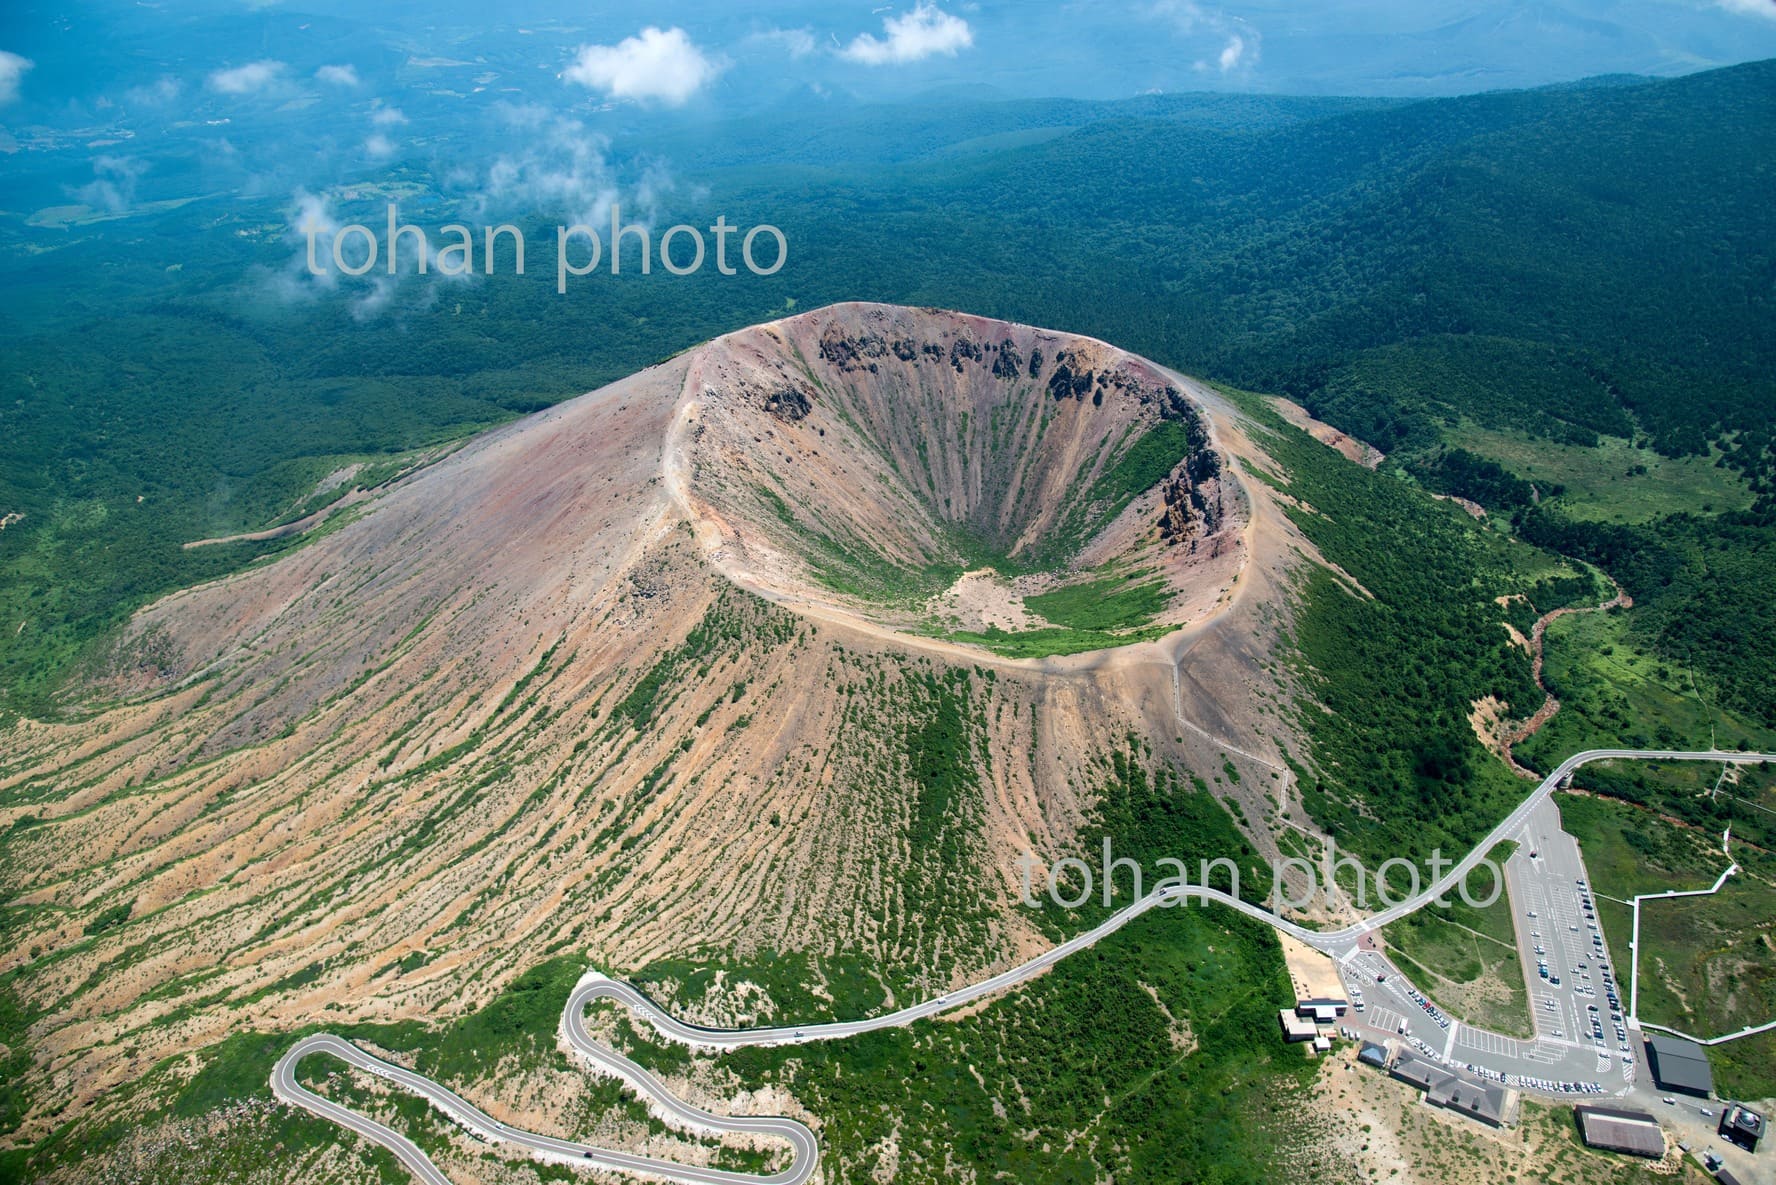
[662,64]
[1763,8]
[346,75]
[1241,42]
[113,187]
[1232,53]
[656,182]
[248,79]
[921,33]
[312,270]
[308,214]
[797,43]
[379,146]
[12,72]
[163,90]
[1186,14]
[375,299]
[560,169]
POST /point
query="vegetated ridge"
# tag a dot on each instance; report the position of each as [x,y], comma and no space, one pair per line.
[522,703]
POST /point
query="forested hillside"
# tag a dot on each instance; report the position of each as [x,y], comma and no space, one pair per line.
[1465,283]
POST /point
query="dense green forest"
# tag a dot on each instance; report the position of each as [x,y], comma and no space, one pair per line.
[1580,264]
[1475,286]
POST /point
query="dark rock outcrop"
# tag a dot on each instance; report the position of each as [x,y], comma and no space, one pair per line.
[789,404]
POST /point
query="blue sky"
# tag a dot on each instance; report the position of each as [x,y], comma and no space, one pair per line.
[734,55]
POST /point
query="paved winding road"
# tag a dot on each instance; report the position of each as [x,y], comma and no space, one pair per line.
[286,1087]
[595,986]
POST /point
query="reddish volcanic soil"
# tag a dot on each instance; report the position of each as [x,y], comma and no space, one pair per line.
[611,680]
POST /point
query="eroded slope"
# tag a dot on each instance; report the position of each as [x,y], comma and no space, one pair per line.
[868,457]
[518,707]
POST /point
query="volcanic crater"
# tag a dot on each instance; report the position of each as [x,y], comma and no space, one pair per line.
[788,646]
[930,471]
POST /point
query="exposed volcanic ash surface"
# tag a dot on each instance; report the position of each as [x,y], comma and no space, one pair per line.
[900,448]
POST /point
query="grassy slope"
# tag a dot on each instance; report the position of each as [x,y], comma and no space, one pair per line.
[1086,1052]
[1151,1058]
[1122,600]
[1478,977]
[1614,481]
[1111,610]
[1616,690]
[516,1031]
[1399,770]
[1148,1058]
[1707,965]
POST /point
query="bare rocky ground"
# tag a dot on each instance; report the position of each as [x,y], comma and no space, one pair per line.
[1377,1129]
[889,432]
[1358,451]
[405,741]
[518,705]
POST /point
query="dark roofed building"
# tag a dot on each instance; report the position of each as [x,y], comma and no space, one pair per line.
[1742,1126]
[1487,1102]
[1484,1101]
[1411,1068]
[1725,1176]
[1679,1065]
[1375,1055]
[1632,1132]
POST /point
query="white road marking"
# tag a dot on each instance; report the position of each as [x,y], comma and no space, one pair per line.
[286,1087]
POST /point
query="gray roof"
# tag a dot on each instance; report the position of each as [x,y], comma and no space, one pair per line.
[1409,1067]
[1633,1132]
[1481,1100]
[1745,1119]
[1478,1100]
[1618,1113]
[1375,1055]
[1296,1028]
[1679,1065]
[1484,1101]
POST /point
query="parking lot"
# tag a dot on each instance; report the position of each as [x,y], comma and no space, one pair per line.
[1581,1046]
[1574,994]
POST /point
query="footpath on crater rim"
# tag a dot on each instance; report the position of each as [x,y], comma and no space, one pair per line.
[791,644]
